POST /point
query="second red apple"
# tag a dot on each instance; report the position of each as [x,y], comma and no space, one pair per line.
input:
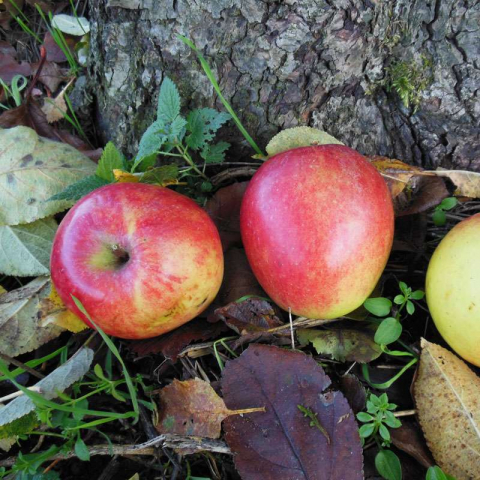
[317,225]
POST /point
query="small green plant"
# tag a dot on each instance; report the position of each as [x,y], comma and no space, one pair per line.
[18,83]
[314,421]
[377,420]
[436,473]
[439,216]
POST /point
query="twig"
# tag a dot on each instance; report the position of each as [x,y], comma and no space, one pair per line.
[405,413]
[302,322]
[19,393]
[21,365]
[291,327]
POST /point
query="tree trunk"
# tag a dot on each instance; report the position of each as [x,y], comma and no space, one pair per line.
[346,66]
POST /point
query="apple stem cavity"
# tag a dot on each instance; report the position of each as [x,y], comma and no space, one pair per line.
[120,254]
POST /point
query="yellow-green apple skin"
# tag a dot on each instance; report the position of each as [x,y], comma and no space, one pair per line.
[142,259]
[453,288]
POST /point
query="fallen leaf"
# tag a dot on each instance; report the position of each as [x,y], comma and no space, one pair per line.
[446,393]
[283,443]
[50,386]
[71,25]
[7,443]
[54,52]
[9,67]
[25,249]
[409,438]
[54,109]
[171,344]
[224,210]
[20,329]
[124,177]
[396,174]
[299,137]
[51,75]
[7,49]
[164,176]
[52,311]
[32,169]
[342,344]
[8,10]
[44,5]
[238,279]
[467,183]
[354,392]
[193,408]
[251,315]
[410,233]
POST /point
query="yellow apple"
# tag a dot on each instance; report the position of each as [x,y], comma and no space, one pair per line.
[453,288]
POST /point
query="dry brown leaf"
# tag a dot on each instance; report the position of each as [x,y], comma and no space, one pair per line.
[51,75]
[193,408]
[467,183]
[447,395]
[54,109]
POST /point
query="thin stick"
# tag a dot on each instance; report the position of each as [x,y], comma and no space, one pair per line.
[21,365]
[19,393]
[405,413]
[291,327]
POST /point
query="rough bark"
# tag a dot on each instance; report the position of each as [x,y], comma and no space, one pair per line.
[322,63]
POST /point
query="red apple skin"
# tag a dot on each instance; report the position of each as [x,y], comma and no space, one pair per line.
[174,269]
[317,225]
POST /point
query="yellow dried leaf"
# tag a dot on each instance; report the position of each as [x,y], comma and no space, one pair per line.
[54,109]
[2,290]
[53,311]
[447,395]
[124,177]
[467,183]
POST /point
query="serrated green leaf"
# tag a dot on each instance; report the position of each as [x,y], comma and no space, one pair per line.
[379,306]
[202,125]
[20,328]
[299,137]
[32,170]
[215,153]
[53,384]
[79,189]
[81,450]
[150,143]
[168,101]
[160,175]
[176,130]
[111,159]
[19,426]
[389,331]
[25,249]
[388,465]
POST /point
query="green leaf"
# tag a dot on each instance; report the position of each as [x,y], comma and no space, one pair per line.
[73,25]
[391,420]
[389,331]
[436,473]
[25,249]
[176,130]
[19,426]
[448,203]
[299,137]
[366,430]
[168,101]
[57,381]
[378,306]
[160,175]
[153,138]
[399,299]
[384,433]
[417,295]
[439,218]
[202,125]
[364,417]
[410,307]
[206,187]
[388,465]
[404,288]
[215,153]
[81,450]
[32,170]
[111,159]
[77,190]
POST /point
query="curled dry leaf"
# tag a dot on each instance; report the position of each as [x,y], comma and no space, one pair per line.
[354,392]
[193,408]
[283,442]
[20,328]
[342,344]
[171,344]
[467,183]
[447,396]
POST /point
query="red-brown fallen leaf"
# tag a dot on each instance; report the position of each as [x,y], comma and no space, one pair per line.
[54,52]
[171,344]
[238,279]
[224,209]
[193,408]
[354,392]
[51,75]
[7,49]
[409,438]
[9,67]
[282,443]
[7,11]
[252,315]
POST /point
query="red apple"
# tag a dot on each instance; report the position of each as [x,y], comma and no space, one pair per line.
[317,225]
[142,259]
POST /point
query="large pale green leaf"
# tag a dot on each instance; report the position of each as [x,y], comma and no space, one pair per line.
[33,169]
[299,137]
[20,328]
[25,249]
